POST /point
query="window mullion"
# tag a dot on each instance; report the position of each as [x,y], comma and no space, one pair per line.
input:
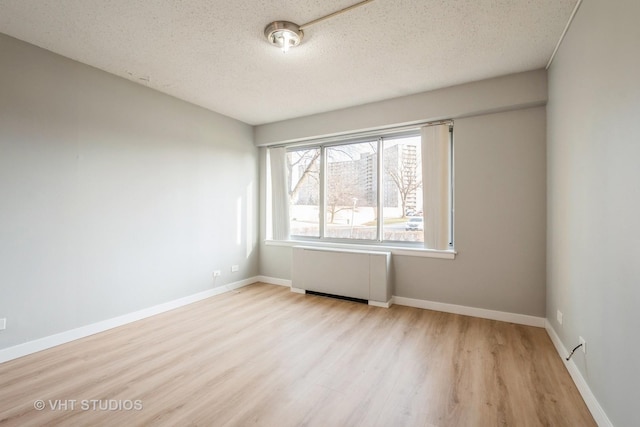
[322,214]
[380,190]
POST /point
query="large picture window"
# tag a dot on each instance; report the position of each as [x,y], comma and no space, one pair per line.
[392,188]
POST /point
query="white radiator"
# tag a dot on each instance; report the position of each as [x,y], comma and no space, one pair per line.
[350,273]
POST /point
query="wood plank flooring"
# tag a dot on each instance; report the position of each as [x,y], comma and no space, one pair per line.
[264,356]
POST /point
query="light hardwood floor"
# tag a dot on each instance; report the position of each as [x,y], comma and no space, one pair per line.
[264,356]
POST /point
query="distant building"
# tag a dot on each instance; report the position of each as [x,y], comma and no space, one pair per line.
[357,179]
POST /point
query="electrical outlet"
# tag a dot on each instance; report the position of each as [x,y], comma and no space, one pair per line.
[235,268]
[216,273]
[559,317]
[3,324]
[584,344]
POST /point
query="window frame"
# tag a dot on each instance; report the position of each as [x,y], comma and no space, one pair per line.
[397,246]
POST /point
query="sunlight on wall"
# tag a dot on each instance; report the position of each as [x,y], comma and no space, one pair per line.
[239,221]
[250,222]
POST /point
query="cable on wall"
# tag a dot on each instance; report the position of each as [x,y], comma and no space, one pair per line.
[566,28]
[573,351]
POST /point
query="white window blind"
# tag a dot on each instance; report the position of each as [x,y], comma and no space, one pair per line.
[436,165]
[279,194]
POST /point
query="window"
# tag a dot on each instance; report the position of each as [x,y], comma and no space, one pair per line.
[402,189]
[368,189]
[303,183]
[351,196]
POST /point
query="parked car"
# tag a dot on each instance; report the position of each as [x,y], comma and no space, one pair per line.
[414,223]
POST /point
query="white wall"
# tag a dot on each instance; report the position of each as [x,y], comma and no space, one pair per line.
[521,90]
[594,200]
[113,197]
[500,193]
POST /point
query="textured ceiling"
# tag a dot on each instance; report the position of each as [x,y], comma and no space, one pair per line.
[213,53]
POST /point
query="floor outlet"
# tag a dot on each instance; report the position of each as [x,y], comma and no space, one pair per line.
[216,273]
[559,317]
[3,324]
[584,345]
[235,268]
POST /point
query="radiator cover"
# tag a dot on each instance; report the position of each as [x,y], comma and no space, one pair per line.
[350,273]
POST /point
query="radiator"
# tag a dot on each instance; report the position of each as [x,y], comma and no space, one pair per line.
[350,273]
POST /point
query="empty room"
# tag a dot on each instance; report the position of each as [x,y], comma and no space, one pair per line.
[303,213]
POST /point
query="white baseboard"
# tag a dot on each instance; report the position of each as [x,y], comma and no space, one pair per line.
[381,304]
[94,328]
[592,403]
[273,281]
[521,319]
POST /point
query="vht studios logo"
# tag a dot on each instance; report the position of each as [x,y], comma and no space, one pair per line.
[88,405]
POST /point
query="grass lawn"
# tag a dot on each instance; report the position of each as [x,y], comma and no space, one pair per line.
[388,221]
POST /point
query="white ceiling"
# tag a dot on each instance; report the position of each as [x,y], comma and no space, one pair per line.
[213,53]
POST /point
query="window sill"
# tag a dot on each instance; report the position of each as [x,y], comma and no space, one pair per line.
[395,250]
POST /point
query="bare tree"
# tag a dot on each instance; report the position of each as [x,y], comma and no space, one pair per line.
[308,159]
[342,185]
[340,197]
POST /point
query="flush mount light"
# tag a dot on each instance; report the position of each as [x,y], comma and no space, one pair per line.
[283,34]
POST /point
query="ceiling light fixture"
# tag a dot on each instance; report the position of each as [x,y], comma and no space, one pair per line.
[285,34]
